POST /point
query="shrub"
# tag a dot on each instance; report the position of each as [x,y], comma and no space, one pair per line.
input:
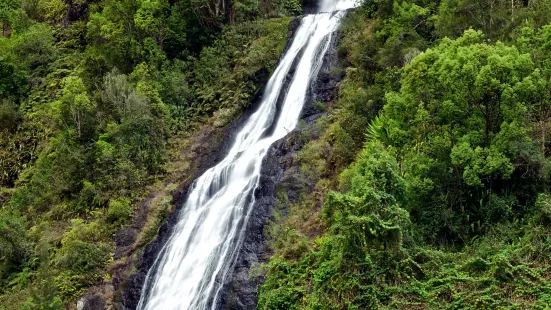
[119,210]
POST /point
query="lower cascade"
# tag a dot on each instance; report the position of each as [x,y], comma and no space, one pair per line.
[190,270]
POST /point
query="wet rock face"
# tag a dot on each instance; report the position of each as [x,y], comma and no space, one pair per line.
[124,239]
[324,88]
[137,280]
[91,302]
[309,6]
[241,290]
[211,149]
[280,172]
[210,154]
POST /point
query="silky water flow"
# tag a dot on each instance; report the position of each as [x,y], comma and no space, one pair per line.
[191,268]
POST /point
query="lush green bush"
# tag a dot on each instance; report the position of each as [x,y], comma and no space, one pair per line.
[463,107]
[119,210]
[14,245]
[82,256]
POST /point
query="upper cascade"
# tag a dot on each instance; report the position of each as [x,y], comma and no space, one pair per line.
[332,5]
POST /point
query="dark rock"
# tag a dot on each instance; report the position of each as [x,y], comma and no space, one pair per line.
[134,290]
[91,302]
[309,6]
[240,290]
[324,88]
[126,236]
[293,25]
[124,239]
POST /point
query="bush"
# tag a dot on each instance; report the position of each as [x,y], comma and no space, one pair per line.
[82,256]
[119,210]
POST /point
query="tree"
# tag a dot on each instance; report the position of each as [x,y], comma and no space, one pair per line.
[538,44]
[75,107]
[34,47]
[7,8]
[12,80]
[211,13]
[151,17]
[461,118]
[113,33]
[14,245]
[121,99]
[53,10]
[369,214]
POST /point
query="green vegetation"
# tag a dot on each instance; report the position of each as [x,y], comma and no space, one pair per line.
[435,193]
[426,185]
[95,98]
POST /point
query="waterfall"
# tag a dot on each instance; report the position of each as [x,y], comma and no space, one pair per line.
[191,268]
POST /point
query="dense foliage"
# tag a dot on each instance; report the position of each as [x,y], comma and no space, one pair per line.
[426,185]
[436,191]
[91,94]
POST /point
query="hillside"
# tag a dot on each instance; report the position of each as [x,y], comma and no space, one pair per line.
[428,186]
[423,185]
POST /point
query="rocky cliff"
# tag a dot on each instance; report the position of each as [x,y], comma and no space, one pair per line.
[279,171]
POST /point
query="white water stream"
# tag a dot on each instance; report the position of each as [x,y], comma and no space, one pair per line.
[192,266]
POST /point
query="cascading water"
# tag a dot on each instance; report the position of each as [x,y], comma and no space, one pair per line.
[192,266]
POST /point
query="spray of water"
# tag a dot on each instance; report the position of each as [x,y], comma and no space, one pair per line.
[192,266]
